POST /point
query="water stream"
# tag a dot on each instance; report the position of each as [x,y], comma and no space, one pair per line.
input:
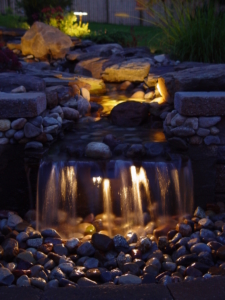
[117,192]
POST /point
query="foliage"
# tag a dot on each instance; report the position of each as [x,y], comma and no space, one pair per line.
[127,36]
[50,13]
[68,24]
[193,30]
[10,20]
[8,60]
[33,8]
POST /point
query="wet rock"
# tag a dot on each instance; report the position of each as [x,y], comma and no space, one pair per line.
[11,249]
[37,121]
[60,250]
[35,243]
[86,249]
[121,149]
[135,150]
[6,277]
[46,248]
[207,122]
[120,243]
[206,234]
[169,266]
[212,140]
[165,280]
[205,258]
[76,274]
[72,244]
[176,238]
[53,283]
[216,271]
[187,259]
[91,263]
[83,106]
[111,141]
[206,223]
[14,220]
[18,123]
[132,268]
[56,273]
[129,279]
[34,145]
[130,113]
[54,241]
[98,150]
[106,276]
[38,282]
[199,213]
[184,229]
[23,281]
[201,267]
[102,242]
[220,253]
[153,149]
[178,253]
[26,256]
[200,247]
[83,282]
[66,268]
[191,271]
[31,131]
[70,113]
[48,121]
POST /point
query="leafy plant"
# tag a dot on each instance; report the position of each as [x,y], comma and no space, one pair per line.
[8,60]
[33,8]
[193,30]
[10,20]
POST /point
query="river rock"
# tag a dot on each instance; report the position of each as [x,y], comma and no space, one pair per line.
[98,150]
[83,106]
[6,277]
[199,213]
[14,220]
[129,113]
[220,253]
[31,131]
[85,93]
[183,131]
[34,243]
[72,244]
[184,229]
[91,263]
[86,249]
[191,271]
[212,140]
[11,248]
[48,121]
[200,247]
[24,280]
[5,125]
[18,123]
[203,132]
[129,279]
[135,150]
[34,145]
[207,122]
[38,282]
[4,141]
[51,41]
[102,242]
[70,113]
[85,282]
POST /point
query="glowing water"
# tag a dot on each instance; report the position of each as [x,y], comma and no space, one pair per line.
[118,190]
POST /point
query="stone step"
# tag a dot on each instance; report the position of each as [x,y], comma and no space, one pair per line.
[200,103]
[22,105]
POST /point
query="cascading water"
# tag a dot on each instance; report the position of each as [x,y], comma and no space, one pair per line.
[118,194]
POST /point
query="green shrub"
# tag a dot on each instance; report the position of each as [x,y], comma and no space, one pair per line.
[10,20]
[69,25]
[192,30]
[32,8]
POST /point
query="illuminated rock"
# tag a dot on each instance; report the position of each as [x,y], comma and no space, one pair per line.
[42,40]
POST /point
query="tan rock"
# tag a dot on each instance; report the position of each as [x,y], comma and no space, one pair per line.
[42,40]
[4,125]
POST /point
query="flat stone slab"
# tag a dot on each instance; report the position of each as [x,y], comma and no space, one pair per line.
[10,81]
[209,289]
[22,105]
[134,70]
[200,103]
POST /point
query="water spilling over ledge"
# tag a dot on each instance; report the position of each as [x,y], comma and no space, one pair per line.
[116,196]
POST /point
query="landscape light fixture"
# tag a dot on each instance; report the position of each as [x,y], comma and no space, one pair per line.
[80,14]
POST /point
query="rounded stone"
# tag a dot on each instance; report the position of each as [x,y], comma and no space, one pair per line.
[86,249]
[184,229]
[18,123]
[14,220]
[91,263]
[19,135]
[23,281]
[199,213]
[98,150]
[220,253]
[4,141]
[5,125]
[34,145]
[169,266]
[129,279]
[200,247]
[72,244]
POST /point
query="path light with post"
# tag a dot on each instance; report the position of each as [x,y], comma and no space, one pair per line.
[80,14]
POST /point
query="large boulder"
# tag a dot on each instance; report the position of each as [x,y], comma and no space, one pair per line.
[129,113]
[42,40]
[207,78]
[134,70]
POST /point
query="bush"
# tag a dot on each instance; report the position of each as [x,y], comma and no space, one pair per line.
[193,30]
[10,20]
[8,60]
[68,24]
[33,8]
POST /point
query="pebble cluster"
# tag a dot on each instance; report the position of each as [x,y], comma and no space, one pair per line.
[64,109]
[194,130]
[194,249]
